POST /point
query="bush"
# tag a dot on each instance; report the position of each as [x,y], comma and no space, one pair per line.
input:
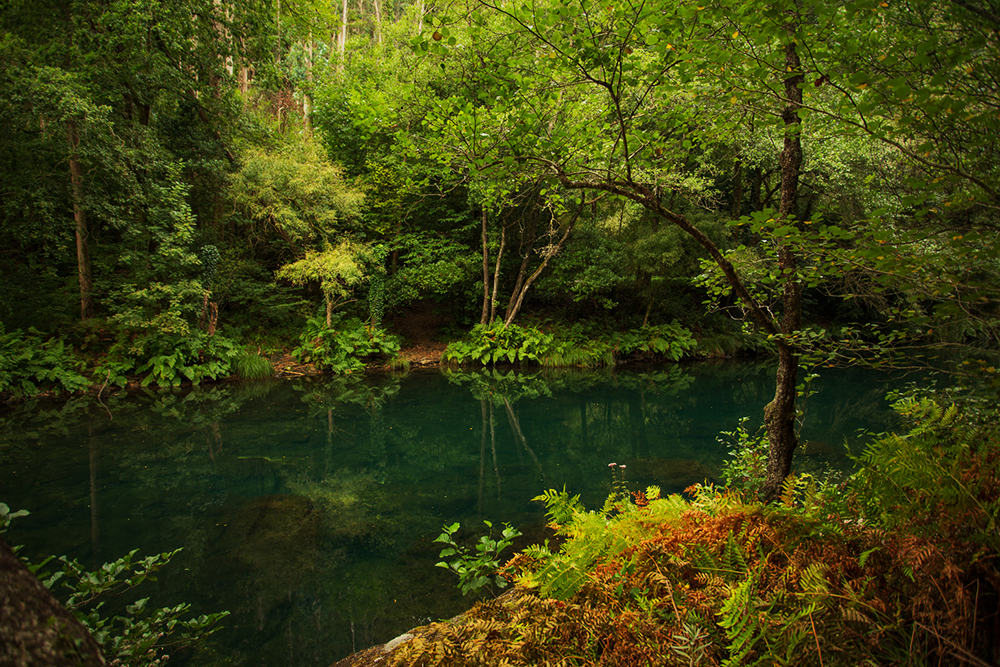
[575,345]
[490,343]
[345,346]
[746,469]
[30,363]
[250,366]
[168,359]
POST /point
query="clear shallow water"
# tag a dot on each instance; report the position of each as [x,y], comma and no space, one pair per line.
[307,508]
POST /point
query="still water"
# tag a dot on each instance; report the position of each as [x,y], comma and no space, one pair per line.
[307,508]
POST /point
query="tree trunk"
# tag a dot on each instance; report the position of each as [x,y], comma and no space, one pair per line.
[87,310]
[736,206]
[518,297]
[496,274]
[378,21]
[522,271]
[486,275]
[342,38]
[307,99]
[779,414]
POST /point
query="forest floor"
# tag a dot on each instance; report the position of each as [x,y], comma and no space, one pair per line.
[420,326]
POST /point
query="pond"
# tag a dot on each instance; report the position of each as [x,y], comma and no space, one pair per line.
[308,508]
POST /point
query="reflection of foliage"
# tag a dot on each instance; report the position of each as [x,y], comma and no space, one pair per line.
[35,420]
[329,393]
[511,385]
[499,386]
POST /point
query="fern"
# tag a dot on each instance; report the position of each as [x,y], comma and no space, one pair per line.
[560,507]
[741,622]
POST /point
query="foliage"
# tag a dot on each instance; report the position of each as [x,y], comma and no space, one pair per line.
[746,467]
[295,192]
[251,366]
[142,637]
[574,345]
[949,458]
[30,363]
[477,569]
[490,343]
[344,347]
[168,359]
[900,561]
[665,341]
[338,270]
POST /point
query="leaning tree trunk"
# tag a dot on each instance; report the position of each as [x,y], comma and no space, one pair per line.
[779,414]
[517,298]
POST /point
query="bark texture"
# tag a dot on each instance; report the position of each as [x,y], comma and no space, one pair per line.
[35,630]
[779,414]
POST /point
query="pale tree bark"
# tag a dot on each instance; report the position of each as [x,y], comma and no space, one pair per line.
[87,310]
[527,237]
[378,20]
[779,414]
[486,275]
[307,99]
[496,273]
[342,38]
[548,253]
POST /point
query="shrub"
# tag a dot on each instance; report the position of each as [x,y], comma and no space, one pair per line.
[30,363]
[567,346]
[490,343]
[345,346]
[746,468]
[168,359]
[476,569]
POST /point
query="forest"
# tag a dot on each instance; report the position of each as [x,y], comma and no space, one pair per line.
[192,190]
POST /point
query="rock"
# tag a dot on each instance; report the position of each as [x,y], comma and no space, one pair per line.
[388,647]
[35,629]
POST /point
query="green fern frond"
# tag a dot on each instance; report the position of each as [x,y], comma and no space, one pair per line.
[741,621]
[560,507]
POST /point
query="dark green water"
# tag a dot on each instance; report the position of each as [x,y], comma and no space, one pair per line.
[307,508]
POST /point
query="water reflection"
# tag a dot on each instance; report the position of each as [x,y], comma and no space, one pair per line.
[307,507]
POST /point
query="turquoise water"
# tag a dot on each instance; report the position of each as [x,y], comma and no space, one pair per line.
[307,508]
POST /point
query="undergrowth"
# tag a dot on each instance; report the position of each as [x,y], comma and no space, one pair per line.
[898,566]
[574,345]
[345,346]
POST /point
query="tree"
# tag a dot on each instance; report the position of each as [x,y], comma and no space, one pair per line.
[611,113]
[98,98]
[337,269]
[630,100]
